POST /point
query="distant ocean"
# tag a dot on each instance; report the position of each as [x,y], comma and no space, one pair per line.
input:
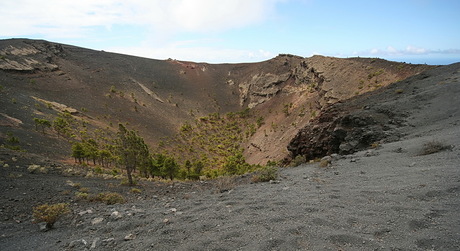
[429,61]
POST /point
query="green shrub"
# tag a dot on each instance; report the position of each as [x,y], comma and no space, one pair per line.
[98,170]
[81,195]
[109,198]
[50,213]
[84,190]
[115,172]
[298,160]
[272,163]
[125,182]
[135,190]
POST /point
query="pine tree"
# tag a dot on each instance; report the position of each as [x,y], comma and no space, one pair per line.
[170,167]
[78,152]
[132,150]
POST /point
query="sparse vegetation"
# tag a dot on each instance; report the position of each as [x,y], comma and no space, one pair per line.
[211,145]
[266,174]
[375,74]
[42,123]
[286,109]
[324,163]
[225,184]
[135,190]
[133,152]
[434,147]
[298,160]
[109,198]
[12,142]
[81,195]
[50,213]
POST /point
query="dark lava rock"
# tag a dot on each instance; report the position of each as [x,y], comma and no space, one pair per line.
[344,131]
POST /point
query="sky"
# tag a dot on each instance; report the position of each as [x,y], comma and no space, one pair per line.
[233,31]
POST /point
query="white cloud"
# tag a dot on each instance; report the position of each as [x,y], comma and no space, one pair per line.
[414,50]
[409,50]
[392,50]
[204,54]
[56,18]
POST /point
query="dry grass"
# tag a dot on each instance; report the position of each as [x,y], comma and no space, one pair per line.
[266,174]
[50,213]
[225,184]
[434,147]
[108,198]
[324,163]
[298,160]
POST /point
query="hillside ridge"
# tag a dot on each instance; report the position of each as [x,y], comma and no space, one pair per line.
[156,97]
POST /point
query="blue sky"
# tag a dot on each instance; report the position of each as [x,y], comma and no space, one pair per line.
[218,31]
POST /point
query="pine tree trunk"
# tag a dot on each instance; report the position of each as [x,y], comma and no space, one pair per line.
[130,177]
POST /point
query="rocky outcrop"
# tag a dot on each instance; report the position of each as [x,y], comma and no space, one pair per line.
[340,131]
[26,57]
[261,87]
[298,76]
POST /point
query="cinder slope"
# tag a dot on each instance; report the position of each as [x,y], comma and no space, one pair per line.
[380,116]
[387,198]
[157,96]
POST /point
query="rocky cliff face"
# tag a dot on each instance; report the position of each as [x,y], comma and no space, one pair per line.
[311,85]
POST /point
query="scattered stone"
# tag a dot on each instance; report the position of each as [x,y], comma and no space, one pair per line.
[399,150]
[130,237]
[43,226]
[94,244]
[89,211]
[78,244]
[166,221]
[353,160]
[412,164]
[14,159]
[327,158]
[173,210]
[96,221]
[274,181]
[116,215]
[370,153]
[33,168]
[335,156]
[106,241]
[6,165]
[70,183]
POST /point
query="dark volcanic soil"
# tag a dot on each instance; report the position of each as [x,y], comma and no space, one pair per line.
[387,198]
